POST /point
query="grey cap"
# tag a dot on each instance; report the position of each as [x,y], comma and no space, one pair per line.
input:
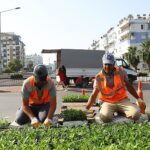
[108,58]
[40,71]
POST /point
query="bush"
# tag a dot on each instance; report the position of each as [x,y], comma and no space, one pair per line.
[75,98]
[143,74]
[7,70]
[16,76]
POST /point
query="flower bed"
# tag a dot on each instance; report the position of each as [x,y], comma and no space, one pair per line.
[111,136]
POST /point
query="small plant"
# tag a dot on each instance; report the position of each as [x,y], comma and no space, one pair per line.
[75,98]
[73,115]
[4,123]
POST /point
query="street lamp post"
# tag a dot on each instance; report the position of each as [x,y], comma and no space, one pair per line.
[1,36]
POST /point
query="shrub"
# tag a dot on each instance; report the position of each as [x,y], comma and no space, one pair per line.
[7,70]
[16,76]
[143,74]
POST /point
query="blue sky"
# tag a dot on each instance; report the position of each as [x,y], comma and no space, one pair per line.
[48,24]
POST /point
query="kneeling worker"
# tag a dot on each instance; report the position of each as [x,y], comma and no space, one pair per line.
[38,99]
[111,84]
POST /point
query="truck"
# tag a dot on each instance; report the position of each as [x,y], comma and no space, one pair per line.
[84,62]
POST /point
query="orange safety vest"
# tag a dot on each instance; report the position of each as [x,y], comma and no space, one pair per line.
[115,94]
[34,99]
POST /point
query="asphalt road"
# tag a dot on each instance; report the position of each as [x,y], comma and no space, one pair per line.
[10,102]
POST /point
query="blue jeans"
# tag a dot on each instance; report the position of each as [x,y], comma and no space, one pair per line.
[39,111]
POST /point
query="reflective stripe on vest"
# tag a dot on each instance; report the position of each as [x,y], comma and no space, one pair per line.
[34,97]
[105,92]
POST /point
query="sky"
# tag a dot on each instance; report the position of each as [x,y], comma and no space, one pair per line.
[54,24]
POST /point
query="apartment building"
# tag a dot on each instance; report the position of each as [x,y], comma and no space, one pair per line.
[35,59]
[11,48]
[130,31]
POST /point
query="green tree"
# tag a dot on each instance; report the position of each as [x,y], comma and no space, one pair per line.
[132,57]
[145,53]
[15,65]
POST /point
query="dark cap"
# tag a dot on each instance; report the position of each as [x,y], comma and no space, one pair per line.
[40,72]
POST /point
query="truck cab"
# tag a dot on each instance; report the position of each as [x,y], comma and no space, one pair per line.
[132,74]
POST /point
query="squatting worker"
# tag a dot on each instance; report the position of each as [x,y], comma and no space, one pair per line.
[38,99]
[111,84]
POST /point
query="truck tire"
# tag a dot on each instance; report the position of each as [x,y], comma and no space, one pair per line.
[132,78]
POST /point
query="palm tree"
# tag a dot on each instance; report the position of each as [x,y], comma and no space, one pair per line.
[132,57]
[145,53]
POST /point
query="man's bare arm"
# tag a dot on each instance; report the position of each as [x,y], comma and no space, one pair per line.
[26,109]
[52,107]
[131,89]
[92,98]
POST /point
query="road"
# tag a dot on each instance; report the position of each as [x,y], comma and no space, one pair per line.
[11,101]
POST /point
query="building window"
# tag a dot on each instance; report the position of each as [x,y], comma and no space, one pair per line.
[17,47]
[148,26]
[4,50]
[142,26]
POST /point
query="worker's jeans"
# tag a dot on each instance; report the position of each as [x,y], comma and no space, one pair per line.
[124,107]
[40,111]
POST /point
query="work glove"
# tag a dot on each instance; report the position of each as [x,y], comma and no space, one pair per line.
[141,104]
[34,122]
[85,110]
[48,122]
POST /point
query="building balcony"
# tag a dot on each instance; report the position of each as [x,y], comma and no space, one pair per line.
[127,36]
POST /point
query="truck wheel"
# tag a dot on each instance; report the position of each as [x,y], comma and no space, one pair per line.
[131,78]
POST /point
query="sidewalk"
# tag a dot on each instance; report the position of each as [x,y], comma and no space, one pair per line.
[10,89]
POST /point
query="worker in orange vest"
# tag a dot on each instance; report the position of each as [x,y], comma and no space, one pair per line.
[111,84]
[38,99]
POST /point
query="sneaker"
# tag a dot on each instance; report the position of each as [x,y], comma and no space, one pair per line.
[14,124]
[65,90]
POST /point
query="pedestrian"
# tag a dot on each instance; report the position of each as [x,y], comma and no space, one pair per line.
[38,99]
[62,79]
[79,82]
[111,84]
[66,81]
[64,70]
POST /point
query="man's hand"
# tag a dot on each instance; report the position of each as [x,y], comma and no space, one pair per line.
[34,122]
[141,104]
[48,122]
